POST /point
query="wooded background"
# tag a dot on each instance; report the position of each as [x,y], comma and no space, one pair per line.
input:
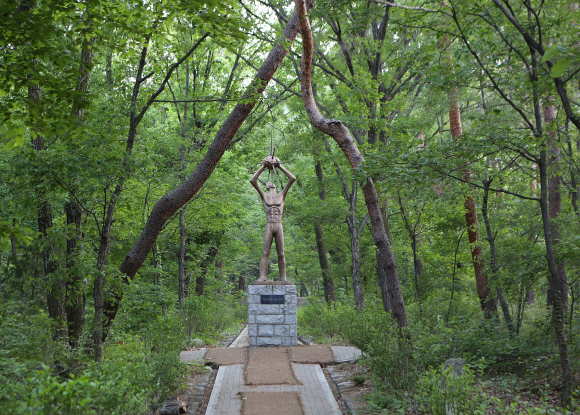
[436,147]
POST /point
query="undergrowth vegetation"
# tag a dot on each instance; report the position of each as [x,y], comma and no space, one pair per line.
[503,374]
[140,368]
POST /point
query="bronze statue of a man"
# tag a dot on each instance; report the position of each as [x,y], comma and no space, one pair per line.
[274,206]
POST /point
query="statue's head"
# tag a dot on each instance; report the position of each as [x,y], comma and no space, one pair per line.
[270,185]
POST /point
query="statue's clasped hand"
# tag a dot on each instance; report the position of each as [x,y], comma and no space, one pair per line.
[271,162]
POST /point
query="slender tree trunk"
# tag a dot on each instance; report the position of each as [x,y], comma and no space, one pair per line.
[417,263]
[555,202]
[341,134]
[181,256]
[55,286]
[74,284]
[320,246]
[241,283]
[487,302]
[327,280]
[381,276]
[354,232]
[205,264]
[157,259]
[219,264]
[73,212]
[492,258]
[555,283]
[100,280]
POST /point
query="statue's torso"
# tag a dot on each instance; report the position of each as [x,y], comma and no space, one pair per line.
[273,206]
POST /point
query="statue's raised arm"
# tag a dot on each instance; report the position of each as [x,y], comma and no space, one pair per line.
[291,179]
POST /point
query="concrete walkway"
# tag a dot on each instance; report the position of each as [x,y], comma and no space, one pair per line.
[315,393]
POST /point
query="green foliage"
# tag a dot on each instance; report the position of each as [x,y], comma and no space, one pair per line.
[204,316]
[391,356]
[25,338]
[136,375]
[441,390]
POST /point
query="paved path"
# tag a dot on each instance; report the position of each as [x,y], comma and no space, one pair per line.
[315,393]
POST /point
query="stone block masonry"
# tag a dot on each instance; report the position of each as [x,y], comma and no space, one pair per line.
[274,322]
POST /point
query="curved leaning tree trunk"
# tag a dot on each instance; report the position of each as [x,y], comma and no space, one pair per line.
[175,199]
[341,134]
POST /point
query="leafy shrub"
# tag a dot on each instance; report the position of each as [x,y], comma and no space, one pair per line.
[390,355]
[441,390]
[135,376]
[204,315]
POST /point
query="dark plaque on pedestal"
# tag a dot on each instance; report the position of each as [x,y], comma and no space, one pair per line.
[271,299]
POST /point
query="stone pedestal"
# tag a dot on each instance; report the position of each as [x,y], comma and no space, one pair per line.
[272,314]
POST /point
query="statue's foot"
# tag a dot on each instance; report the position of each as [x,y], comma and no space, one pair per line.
[261,279]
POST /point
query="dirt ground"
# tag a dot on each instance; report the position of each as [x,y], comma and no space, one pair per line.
[268,403]
[269,366]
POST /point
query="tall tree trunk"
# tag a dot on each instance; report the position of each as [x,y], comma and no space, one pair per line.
[73,212]
[205,264]
[381,276]
[181,256]
[157,259]
[354,232]
[555,283]
[328,282]
[99,334]
[555,202]
[74,283]
[492,258]
[417,263]
[241,283]
[55,286]
[341,134]
[487,302]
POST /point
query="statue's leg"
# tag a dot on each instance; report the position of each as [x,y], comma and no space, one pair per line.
[266,252]
[279,235]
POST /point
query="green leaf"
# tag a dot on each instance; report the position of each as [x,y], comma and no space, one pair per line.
[560,67]
[549,53]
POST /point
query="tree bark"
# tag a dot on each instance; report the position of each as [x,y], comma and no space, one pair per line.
[381,275]
[555,203]
[554,281]
[487,302]
[417,263]
[492,258]
[327,280]
[157,259]
[354,231]
[181,256]
[205,264]
[73,212]
[55,286]
[341,134]
[74,284]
